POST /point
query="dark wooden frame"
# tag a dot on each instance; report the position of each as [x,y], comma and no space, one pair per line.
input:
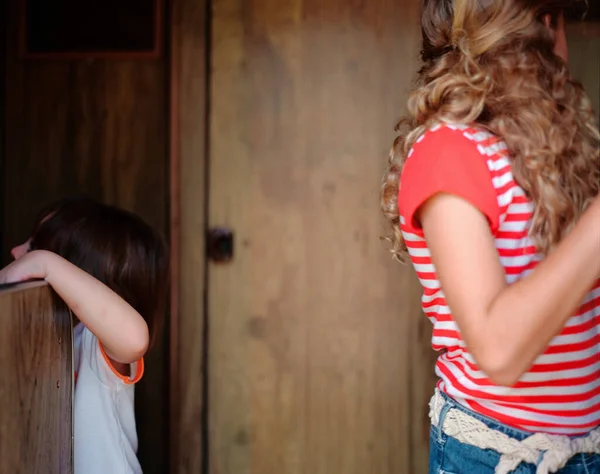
[189,50]
[155,53]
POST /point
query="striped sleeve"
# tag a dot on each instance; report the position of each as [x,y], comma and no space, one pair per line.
[445,161]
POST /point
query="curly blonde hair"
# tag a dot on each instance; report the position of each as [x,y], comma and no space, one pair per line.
[492,63]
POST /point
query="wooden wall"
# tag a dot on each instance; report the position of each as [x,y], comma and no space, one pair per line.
[319,355]
[36,379]
[97,127]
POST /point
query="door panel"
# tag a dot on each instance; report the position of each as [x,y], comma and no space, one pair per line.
[319,359]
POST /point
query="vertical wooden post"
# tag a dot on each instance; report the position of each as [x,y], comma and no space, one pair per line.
[36,382]
[188,145]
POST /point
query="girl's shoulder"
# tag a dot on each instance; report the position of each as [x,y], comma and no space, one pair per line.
[463,160]
[451,139]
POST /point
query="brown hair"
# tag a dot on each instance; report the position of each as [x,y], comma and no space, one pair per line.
[492,63]
[114,246]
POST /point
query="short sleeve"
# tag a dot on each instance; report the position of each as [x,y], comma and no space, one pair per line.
[136,369]
[446,161]
[101,365]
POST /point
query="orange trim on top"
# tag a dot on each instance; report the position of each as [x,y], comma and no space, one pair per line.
[126,379]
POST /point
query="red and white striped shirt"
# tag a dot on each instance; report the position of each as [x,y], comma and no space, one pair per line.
[561,392]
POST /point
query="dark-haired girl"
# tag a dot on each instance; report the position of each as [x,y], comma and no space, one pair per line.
[110,269]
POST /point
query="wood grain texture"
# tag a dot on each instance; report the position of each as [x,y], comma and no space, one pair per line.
[99,128]
[36,383]
[319,357]
[188,223]
[96,127]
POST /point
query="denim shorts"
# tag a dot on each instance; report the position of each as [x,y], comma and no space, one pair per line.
[449,456]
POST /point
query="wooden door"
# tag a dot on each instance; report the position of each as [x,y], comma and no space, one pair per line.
[318,359]
[92,126]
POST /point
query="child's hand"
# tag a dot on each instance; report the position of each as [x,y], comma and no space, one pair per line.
[31,266]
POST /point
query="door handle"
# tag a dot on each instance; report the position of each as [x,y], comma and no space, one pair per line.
[219,244]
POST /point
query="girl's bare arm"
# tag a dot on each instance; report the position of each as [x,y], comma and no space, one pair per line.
[120,328]
[505,326]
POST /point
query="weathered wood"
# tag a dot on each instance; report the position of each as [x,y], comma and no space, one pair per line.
[188,198]
[36,382]
[319,358]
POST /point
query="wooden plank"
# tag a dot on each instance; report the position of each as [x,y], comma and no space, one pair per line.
[9,288]
[319,358]
[36,382]
[188,223]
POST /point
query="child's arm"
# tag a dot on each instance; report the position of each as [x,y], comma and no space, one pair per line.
[120,328]
[505,326]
